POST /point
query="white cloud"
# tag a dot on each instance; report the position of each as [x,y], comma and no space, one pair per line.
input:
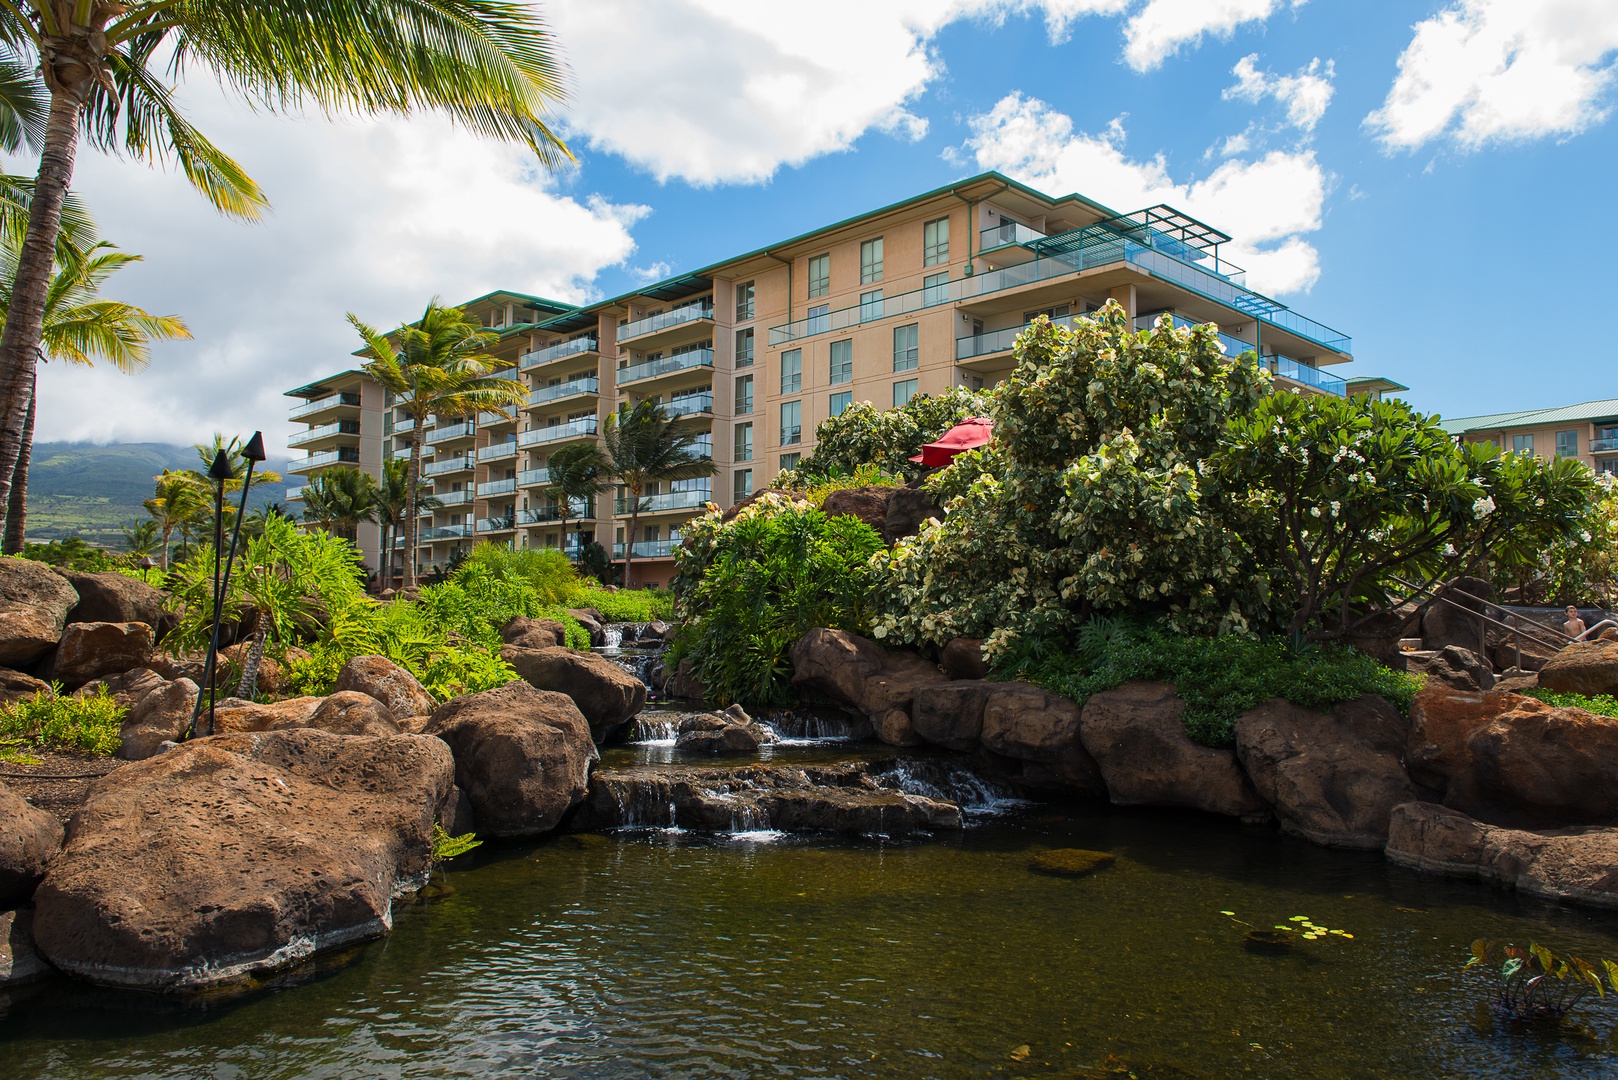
[370,217]
[1486,71]
[1267,203]
[1239,143]
[1163,27]
[1306,94]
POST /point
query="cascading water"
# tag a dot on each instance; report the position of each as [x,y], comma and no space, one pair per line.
[951,781]
[654,729]
[621,643]
[805,726]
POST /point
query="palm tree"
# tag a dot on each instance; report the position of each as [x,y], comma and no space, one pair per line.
[79,328]
[339,499]
[392,503]
[140,538]
[576,472]
[234,454]
[644,447]
[177,505]
[438,366]
[109,69]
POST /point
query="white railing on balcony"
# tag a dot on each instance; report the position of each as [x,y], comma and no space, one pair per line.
[556,432]
[339,427]
[448,465]
[461,429]
[570,388]
[666,365]
[498,451]
[330,401]
[533,478]
[685,313]
[668,500]
[496,487]
[452,498]
[348,455]
[561,350]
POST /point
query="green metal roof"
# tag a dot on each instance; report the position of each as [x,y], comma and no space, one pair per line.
[554,306]
[319,386]
[1375,382]
[1603,409]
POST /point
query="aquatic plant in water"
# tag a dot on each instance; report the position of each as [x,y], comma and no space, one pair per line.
[1536,984]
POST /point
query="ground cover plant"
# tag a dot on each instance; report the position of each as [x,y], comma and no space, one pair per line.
[1600,704]
[88,724]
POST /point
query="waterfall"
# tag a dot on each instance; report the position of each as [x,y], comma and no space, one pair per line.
[654,729]
[612,636]
[805,726]
[952,781]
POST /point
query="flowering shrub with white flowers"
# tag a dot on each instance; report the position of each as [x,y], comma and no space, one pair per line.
[864,435]
[1580,567]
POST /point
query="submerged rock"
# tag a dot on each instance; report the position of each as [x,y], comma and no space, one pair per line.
[254,852]
[1070,862]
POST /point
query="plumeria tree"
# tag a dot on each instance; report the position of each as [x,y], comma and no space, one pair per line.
[862,434]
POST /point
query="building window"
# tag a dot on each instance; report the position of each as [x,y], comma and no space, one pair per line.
[792,371]
[791,422]
[870,305]
[744,442]
[839,402]
[744,395]
[842,361]
[935,242]
[744,347]
[790,461]
[744,484]
[903,391]
[1567,444]
[906,350]
[871,261]
[819,320]
[819,275]
[935,289]
[744,301]
[1607,465]
[1522,444]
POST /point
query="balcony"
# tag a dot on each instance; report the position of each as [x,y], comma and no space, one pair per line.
[497,524]
[666,365]
[325,431]
[578,510]
[347,455]
[448,465]
[294,493]
[1288,368]
[452,498]
[498,451]
[683,315]
[463,429]
[444,532]
[496,418]
[1597,446]
[702,445]
[668,500]
[558,432]
[402,453]
[563,390]
[1005,234]
[689,405]
[496,487]
[534,478]
[560,351]
[649,549]
[344,399]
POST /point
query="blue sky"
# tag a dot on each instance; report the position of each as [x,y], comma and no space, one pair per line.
[1430,177]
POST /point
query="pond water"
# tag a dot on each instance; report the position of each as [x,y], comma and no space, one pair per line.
[674,954]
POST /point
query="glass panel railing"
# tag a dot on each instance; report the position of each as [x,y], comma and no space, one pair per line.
[555,432]
[533,478]
[497,524]
[578,510]
[570,388]
[1307,374]
[330,401]
[648,549]
[349,455]
[689,405]
[446,432]
[673,317]
[447,465]
[1597,446]
[453,498]
[497,487]
[559,351]
[444,532]
[339,427]
[403,452]
[668,500]
[665,365]
[294,493]
[494,419]
[498,451]
[995,341]
[1008,232]
[702,445]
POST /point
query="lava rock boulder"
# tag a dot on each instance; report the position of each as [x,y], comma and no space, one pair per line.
[34,602]
[605,693]
[378,677]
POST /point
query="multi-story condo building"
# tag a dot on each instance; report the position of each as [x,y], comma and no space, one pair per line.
[753,352]
[344,417]
[1587,431]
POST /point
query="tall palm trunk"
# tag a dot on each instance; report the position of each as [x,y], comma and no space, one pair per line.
[17,501]
[412,478]
[255,659]
[629,541]
[384,561]
[71,68]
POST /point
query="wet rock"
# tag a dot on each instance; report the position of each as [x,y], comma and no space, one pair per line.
[255,851]
[729,732]
[1453,666]
[14,686]
[854,671]
[1043,732]
[1537,765]
[19,963]
[90,650]
[682,684]
[29,840]
[593,624]
[1578,865]
[347,712]
[108,596]
[1442,624]
[605,693]
[869,504]
[657,632]
[962,658]
[1070,862]
[161,716]
[950,714]
[398,690]
[907,511]
[895,728]
[837,799]
[526,633]
[1333,778]
[522,756]
[1137,738]
[1584,667]
[34,602]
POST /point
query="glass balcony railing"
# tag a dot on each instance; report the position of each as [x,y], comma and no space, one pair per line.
[557,432]
[559,351]
[294,493]
[689,405]
[452,498]
[570,388]
[533,478]
[445,432]
[578,510]
[1307,374]
[996,341]
[496,487]
[340,427]
[401,453]
[448,465]
[348,455]
[498,451]
[648,549]
[668,500]
[666,365]
[495,418]
[1007,232]
[1597,446]
[497,524]
[444,532]
[330,401]
[675,317]
[702,445]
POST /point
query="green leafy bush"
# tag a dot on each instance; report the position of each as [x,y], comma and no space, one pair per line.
[863,435]
[625,605]
[1220,678]
[1601,704]
[749,588]
[89,724]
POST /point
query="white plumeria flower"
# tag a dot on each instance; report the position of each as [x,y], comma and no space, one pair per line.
[1482,508]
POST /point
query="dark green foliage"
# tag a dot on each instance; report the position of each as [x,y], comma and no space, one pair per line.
[1537,985]
[74,554]
[1220,678]
[1601,704]
[864,435]
[765,579]
[595,562]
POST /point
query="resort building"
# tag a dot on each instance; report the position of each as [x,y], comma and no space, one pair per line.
[345,419]
[1587,431]
[754,351]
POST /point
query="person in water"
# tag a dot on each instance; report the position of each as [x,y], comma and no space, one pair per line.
[1574,627]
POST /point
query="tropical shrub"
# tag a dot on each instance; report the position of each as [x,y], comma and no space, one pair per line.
[88,724]
[1600,704]
[1579,567]
[816,488]
[864,435]
[625,605]
[749,588]
[73,553]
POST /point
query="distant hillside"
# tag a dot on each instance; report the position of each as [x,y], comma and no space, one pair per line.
[92,491]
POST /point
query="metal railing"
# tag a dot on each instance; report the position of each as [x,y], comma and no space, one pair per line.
[668,500]
[648,549]
[559,351]
[1307,374]
[462,430]
[557,432]
[337,427]
[330,401]
[570,388]
[447,465]
[498,451]
[665,365]
[503,523]
[1602,446]
[496,487]
[685,313]
[578,509]
[349,455]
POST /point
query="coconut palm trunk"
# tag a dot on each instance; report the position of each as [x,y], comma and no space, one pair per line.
[17,501]
[412,479]
[255,658]
[629,538]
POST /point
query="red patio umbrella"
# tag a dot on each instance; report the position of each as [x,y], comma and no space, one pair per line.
[967,435]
